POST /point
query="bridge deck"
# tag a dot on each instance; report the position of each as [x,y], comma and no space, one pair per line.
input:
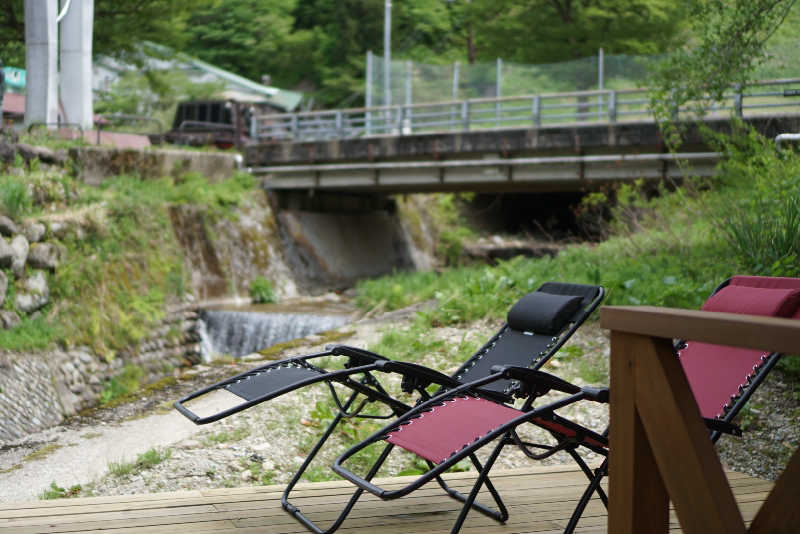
[540,500]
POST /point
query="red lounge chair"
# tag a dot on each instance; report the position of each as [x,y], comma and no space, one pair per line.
[454,425]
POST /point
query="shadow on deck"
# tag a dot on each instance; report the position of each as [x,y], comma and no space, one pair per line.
[540,500]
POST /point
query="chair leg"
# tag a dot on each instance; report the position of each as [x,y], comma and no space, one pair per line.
[594,486]
[500,515]
[483,478]
[293,510]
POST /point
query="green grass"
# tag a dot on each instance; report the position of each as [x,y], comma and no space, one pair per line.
[57,492]
[144,461]
[669,250]
[42,453]
[15,199]
[123,262]
[226,437]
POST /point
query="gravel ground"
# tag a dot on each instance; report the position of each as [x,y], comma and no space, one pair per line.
[266,444]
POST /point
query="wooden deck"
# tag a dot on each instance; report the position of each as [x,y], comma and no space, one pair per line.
[540,500]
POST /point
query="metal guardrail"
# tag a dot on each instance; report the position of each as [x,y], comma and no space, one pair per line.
[578,107]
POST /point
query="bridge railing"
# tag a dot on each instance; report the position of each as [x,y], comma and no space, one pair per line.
[546,109]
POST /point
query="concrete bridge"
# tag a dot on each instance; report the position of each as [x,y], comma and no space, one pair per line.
[604,138]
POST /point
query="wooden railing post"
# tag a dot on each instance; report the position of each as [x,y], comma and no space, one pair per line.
[638,501]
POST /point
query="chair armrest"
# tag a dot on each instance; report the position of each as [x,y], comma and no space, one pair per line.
[539,383]
[357,355]
[535,378]
[416,376]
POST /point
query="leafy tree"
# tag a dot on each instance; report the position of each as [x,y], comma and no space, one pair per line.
[252,38]
[118,26]
[545,31]
[729,41]
[344,30]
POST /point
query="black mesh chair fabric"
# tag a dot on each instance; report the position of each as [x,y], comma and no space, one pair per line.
[271,380]
[510,348]
[527,349]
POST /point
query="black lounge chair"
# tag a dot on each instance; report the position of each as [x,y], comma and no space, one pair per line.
[538,325]
[454,425]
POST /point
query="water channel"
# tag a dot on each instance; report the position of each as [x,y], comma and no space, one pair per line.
[237,330]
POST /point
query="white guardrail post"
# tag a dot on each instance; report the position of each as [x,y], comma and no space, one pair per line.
[612,107]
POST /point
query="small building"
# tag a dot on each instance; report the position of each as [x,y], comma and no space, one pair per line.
[155,57]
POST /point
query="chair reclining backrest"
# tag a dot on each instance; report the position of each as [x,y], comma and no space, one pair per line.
[536,327]
[718,374]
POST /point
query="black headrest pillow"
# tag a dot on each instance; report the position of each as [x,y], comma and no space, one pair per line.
[542,313]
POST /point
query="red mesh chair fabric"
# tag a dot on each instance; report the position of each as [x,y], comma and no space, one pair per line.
[447,429]
[767,282]
[715,372]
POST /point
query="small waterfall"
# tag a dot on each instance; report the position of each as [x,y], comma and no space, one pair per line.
[238,333]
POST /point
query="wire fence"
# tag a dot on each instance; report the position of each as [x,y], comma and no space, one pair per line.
[419,83]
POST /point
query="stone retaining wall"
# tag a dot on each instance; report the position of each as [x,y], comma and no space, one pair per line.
[40,390]
[95,164]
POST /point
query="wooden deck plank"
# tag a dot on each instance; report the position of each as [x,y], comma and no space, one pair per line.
[540,501]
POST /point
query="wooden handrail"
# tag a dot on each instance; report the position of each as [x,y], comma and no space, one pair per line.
[733,329]
[659,447]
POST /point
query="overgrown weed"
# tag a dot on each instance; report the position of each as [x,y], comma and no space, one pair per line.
[144,461]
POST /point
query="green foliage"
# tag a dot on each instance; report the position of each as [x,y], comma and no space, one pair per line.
[729,39]
[545,31]
[454,230]
[265,477]
[409,345]
[32,333]
[261,290]
[670,260]
[118,26]
[57,492]
[762,228]
[417,466]
[251,38]
[122,384]
[117,276]
[155,94]
[15,198]
[144,461]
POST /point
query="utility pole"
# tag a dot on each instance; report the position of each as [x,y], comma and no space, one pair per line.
[387,53]
[41,38]
[76,62]
[41,56]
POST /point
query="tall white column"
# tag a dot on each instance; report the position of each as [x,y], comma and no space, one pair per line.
[41,95]
[76,63]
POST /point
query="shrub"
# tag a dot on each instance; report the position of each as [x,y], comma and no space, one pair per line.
[761,226]
[15,199]
[261,290]
[122,384]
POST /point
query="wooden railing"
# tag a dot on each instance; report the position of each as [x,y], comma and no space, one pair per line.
[660,449]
